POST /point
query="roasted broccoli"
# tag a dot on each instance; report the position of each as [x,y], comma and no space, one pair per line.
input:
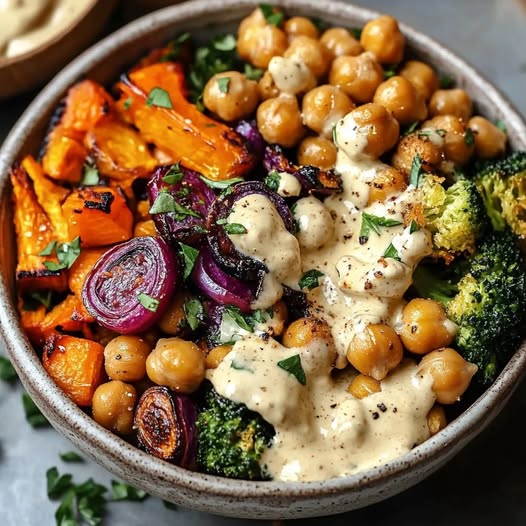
[486,296]
[455,216]
[231,438]
[502,184]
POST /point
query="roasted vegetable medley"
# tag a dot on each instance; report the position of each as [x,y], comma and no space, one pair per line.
[284,254]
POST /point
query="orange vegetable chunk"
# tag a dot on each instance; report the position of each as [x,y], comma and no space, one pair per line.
[80,269]
[76,365]
[99,215]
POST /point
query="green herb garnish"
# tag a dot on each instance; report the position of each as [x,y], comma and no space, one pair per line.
[190,256]
[226,42]
[392,253]
[174,174]
[372,222]
[501,125]
[67,254]
[253,73]
[127,103]
[236,315]
[293,366]
[416,171]
[445,81]
[240,367]
[33,415]
[174,51]
[148,302]
[194,313]
[34,300]
[166,203]
[232,228]
[356,32]
[7,371]
[390,71]
[469,137]
[50,247]
[123,491]
[272,180]
[160,98]
[411,128]
[273,16]
[57,484]
[90,175]
[310,280]
[414,227]
[71,456]
[221,185]
[223,83]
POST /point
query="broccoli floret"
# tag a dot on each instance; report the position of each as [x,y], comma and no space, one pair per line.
[455,216]
[502,184]
[485,296]
[231,438]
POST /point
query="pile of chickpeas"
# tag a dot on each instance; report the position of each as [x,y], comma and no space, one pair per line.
[310,81]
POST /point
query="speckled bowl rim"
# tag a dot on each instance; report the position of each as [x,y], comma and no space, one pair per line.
[81,428]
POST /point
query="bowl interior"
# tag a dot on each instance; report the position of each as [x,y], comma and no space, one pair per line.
[266,500]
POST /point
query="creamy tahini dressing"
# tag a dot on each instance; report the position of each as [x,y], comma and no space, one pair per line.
[321,430]
[363,282]
[27,24]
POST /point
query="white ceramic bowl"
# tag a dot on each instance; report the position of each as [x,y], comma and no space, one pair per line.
[265,500]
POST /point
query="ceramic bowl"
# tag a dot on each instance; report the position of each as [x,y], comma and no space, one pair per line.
[32,69]
[263,500]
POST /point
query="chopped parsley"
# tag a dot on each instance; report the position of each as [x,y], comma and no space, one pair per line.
[416,171]
[194,312]
[232,228]
[160,98]
[221,185]
[293,366]
[226,42]
[90,175]
[374,223]
[33,415]
[174,175]
[252,73]
[391,252]
[501,125]
[272,15]
[223,83]
[414,227]
[33,300]
[411,128]
[390,71]
[174,48]
[66,253]
[127,103]
[166,203]
[240,320]
[148,302]
[272,180]
[310,280]
[7,371]
[123,491]
[445,81]
[71,456]
[469,137]
[189,256]
[240,367]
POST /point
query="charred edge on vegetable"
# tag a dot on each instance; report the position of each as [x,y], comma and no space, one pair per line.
[53,123]
[104,204]
[40,273]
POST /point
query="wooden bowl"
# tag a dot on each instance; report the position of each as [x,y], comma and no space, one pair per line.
[234,498]
[32,69]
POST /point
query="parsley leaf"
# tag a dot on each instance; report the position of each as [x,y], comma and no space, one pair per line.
[356,32]
[123,491]
[232,228]
[34,300]
[410,129]
[272,180]
[236,315]
[252,73]
[67,254]
[57,484]
[174,48]
[226,42]
[445,81]
[148,302]
[7,371]
[127,103]
[310,280]
[71,456]
[166,203]
[50,247]
[221,185]
[90,175]
[372,222]
[194,313]
[415,227]
[469,137]
[223,83]
[33,415]
[272,15]
[501,125]
[293,366]
[239,366]
[160,98]
[390,71]
[190,256]
[391,252]
[173,175]
[416,171]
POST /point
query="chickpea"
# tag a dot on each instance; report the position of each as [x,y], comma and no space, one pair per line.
[267,87]
[357,76]
[425,326]
[386,182]
[279,120]
[230,95]
[450,372]
[144,228]
[291,76]
[402,99]
[362,386]
[143,210]
[317,151]
[113,406]
[377,124]
[258,44]
[427,147]
[302,331]
[300,25]
[177,364]
[436,419]
[215,356]
[422,76]
[490,142]
[280,314]
[323,106]
[383,37]
[173,320]
[310,52]
[451,102]
[457,146]
[125,358]
[375,351]
[337,42]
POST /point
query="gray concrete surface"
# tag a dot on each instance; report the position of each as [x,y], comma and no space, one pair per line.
[485,485]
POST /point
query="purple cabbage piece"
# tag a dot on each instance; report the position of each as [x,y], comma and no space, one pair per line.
[249,130]
[193,198]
